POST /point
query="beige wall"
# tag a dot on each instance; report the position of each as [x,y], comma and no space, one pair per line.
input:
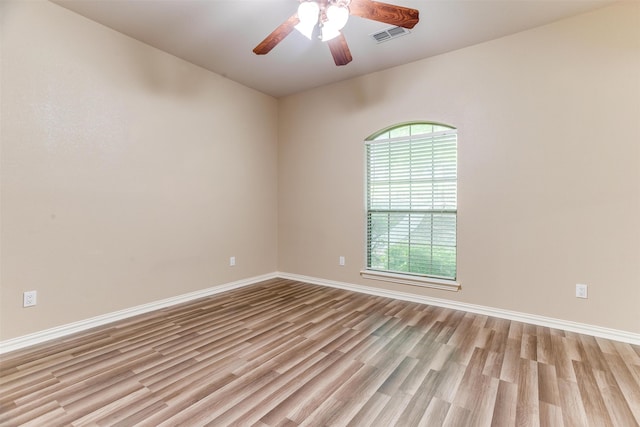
[128,175]
[549,167]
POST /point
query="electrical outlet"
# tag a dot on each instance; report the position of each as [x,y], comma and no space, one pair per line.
[29,298]
[341,260]
[232,261]
[581,291]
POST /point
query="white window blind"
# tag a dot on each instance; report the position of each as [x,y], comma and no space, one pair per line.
[412,201]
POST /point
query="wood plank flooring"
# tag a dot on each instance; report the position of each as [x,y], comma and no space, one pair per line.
[285,353]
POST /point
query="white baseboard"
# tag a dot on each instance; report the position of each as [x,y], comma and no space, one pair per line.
[83,325]
[581,328]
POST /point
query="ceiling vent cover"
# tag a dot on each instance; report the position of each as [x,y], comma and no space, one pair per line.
[389,33]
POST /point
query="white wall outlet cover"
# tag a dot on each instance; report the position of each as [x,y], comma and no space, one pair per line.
[29,298]
[581,291]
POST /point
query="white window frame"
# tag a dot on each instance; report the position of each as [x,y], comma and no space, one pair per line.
[407,278]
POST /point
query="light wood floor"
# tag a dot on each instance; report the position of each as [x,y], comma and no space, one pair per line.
[285,353]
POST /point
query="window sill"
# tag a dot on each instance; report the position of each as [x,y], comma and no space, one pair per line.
[407,279]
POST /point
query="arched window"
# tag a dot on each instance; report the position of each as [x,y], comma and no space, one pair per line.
[412,203]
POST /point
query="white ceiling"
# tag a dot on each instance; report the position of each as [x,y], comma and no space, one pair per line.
[219,35]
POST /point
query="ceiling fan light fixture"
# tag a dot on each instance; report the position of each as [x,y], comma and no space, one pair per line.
[308,13]
[337,16]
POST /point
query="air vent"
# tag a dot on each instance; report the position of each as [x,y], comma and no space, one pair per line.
[389,33]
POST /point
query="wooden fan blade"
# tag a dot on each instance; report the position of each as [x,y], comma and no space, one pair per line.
[276,36]
[383,12]
[340,50]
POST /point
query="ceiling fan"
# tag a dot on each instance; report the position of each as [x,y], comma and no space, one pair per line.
[325,18]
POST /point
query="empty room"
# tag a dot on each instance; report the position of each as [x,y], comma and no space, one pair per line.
[320,212]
